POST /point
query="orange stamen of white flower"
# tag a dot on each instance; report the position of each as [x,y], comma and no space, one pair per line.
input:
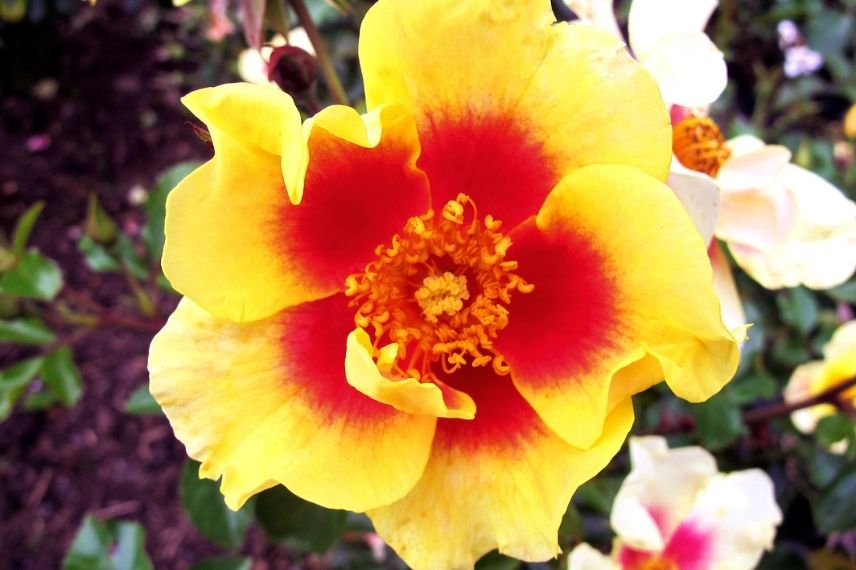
[440,291]
[658,563]
[699,144]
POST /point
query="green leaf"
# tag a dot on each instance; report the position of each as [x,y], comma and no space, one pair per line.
[96,256]
[718,421]
[40,400]
[749,388]
[155,207]
[781,560]
[824,467]
[599,493]
[33,277]
[789,351]
[13,10]
[89,550]
[301,524]
[99,226]
[19,374]
[834,510]
[26,330]
[224,563]
[129,257]
[13,381]
[204,504]
[834,428]
[798,308]
[24,227]
[97,547]
[7,403]
[846,292]
[7,258]
[493,560]
[61,375]
[571,529]
[142,403]
[130,551]
[829,31]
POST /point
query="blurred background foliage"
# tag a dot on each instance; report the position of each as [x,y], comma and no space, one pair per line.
[94,139]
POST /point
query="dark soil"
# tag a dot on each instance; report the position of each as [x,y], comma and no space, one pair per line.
[90,104]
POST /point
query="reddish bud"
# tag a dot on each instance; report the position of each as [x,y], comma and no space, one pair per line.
[293,69]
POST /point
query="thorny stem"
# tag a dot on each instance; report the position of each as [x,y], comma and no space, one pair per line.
[325,63]
[828,396]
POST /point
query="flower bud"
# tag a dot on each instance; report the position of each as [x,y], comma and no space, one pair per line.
[293,69]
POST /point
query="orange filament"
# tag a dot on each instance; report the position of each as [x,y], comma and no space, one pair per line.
[440,291]
[699,145]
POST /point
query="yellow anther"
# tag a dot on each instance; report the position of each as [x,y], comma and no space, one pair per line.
[442,294]
[454,212]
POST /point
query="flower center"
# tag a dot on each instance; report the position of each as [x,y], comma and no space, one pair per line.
[699,145]
[442,294]
[658,563]
[440,291]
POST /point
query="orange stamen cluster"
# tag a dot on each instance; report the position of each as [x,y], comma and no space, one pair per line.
[699,145]
[440,291]
[658,563]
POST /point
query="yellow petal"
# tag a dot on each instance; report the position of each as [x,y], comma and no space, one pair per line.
[804,384]
[235,242]
[850,122]
[619,272]
[510,101]
[405,394]
[502,480]
[267,402]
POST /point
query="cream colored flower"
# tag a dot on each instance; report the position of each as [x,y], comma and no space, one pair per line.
[676,511]
[667,37]
[784,225]
[700,196]
[812,378]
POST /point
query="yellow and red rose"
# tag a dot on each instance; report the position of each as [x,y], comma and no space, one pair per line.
[436,312]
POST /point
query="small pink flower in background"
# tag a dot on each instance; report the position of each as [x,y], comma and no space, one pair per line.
[676,511]
[38,143]
[799,58]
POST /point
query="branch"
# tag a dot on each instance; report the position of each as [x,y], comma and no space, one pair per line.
[828,396]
